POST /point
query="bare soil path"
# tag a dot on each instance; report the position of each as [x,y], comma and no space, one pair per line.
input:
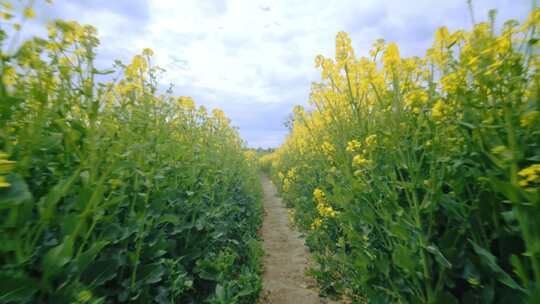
[286,256]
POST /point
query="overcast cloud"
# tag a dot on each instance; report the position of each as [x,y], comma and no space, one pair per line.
[254,59]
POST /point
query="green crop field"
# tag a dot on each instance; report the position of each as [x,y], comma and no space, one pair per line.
[416,179]
[112,192]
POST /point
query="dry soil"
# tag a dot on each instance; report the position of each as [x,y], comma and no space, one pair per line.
[286,259]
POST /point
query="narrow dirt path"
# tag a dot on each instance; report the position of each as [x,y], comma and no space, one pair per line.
[286,256]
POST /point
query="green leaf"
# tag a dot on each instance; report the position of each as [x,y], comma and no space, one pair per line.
[113,201]
[17,194]
[17,289]
[446,298]
[100,272]
[103,72]
[490,261]
[466,125]
[519,269]
[403,258]
[510,191]
[48,207]
[151,273]
[7,104]
[169,218]
[89,255]
[439,257]
[58,256]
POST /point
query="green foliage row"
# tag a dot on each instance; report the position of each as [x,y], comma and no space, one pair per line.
[111,192]
[417,180]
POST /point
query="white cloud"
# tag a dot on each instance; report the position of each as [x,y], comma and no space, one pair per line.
[254,58]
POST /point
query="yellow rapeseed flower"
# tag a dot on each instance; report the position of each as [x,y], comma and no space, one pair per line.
[3,182]
[529,175]
[371,140]
[437,112]
[148,52]
[326,211]
[328,149]
[187,103]
[530,118]
[391,56]
[9,75]
[318,194]
[291,174]
[353,145]
[450,83]
[29,13]
[53,46]
[360,161]
[286,185]
[52,32]
[6,166]
[7,5]
[316,224]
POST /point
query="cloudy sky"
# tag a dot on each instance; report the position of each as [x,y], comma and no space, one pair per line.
[254,58]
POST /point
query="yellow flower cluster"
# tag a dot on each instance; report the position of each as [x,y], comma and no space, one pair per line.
[6,166]
[148,52]
[529,175]
[438,111]
[530,118]
[9,75]
[360,161]
[29,13]
[451,82]
[316,223]
[328,149]
[137,68]
[250,155]
[415,100]
[324,210]
[391,58]
[291,174]
[408,120]
[371,140]
[288,179]
[344,50]
[267,162]
[319,196]
[353,145]
[187,103]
